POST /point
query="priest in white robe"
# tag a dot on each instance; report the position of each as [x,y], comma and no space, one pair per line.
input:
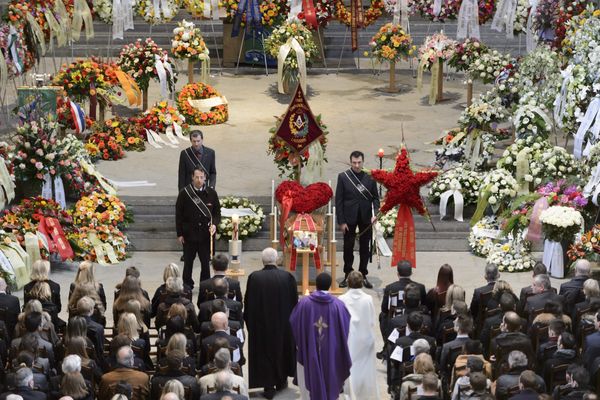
[362,383]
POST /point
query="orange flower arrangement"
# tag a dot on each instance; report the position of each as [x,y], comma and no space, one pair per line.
[216,115]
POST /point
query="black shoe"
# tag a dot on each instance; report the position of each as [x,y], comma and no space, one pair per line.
[380,355]
[343,283]
[181,259]
[367,284]
[269,393]
[281,386]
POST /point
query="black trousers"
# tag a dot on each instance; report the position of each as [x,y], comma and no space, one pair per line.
[364,242]
[190,250]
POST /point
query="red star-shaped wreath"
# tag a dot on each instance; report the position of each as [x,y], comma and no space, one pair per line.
[403,186]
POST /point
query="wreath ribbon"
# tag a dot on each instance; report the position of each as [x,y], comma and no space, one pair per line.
[165,74]
[404,237]
[401,14]
[12,45]
[18,265]
[534,231]
[531,39]
[82,17]
[59,239]
[592,116]
[253,16]
[296,226]
[468,20]
[130,87]
[291,44]
[103,250]
[63,18]
[38,34]
[522,170]
[553,258]
[287,200]
[55,30]
[91,170]
[560,103]
[455,191]
[204,66]
[504,17]
[204,105]
[32,247]
[6,183]
[211,7]
[356,21]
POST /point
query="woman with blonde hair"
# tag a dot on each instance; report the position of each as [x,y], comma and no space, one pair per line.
[454,292]
[170,271]
[500,287]
[423,364]
[86,275]
[129,327]
[175,387]
[179,342]
[87,290]
[131,289]
[48,331]
[41,291]
[40,272]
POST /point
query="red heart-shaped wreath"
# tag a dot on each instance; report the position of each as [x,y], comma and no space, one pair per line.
[305,199]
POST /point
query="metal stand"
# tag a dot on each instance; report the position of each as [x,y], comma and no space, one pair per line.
[212,27]
[322,50]
[262,40]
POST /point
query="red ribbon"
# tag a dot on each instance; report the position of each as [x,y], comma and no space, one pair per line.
[310,15]
[60,240]
[44,231]
[356,21]
[287,201]
[404,237]
[311,227]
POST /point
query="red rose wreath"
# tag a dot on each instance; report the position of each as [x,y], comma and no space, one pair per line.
[403,187]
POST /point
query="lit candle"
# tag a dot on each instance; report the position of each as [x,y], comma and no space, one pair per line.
[333,225]
[235,221]
[272,194]
[380,153]
[329,204]
[275,223]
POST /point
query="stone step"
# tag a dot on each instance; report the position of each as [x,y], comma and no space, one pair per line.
[166,241]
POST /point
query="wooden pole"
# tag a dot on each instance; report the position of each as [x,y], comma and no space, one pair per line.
[469,92]
[93,104]
[329,218]
[144,99]
[332,252]
[190,71]
[102,111]
[305,268]
[392,87]
[440,78]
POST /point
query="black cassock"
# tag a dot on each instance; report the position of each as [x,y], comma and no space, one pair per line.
[271,295]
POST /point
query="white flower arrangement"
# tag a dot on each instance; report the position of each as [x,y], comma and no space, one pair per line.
[488,66]
[187,42]
[539,76]
[532,119]
[388,222]
[484,111]
[578,94]
[146,10]
[560,222]
[512,256]
[556,163]
[482,236]
[248,225]
[465,180]
[501,186]
[521,16]
[534,146]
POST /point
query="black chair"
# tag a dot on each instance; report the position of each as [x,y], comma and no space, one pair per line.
[484,297]
[558,375]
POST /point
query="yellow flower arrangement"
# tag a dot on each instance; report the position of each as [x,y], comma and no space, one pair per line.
[391,43]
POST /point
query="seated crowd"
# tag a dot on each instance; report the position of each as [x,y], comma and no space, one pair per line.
[190,355]
[542,343]
[538,345]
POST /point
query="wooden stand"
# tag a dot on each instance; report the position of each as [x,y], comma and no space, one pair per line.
[469,92]
[190,71]
[144,99]
[305,267]
[332,256]
[93,105]
[235,271]
[392,88]
[440,82]
[101,112]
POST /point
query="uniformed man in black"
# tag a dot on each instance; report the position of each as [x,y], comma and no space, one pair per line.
[357,204]
[194,156]
[197,214]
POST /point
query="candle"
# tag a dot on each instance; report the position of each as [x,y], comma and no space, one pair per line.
[329,204]
[272,194]
[275,223]
[380,153]
[235,220]
[333,225]
[234,249]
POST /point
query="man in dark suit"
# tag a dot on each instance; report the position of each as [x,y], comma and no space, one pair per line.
[507,303]
[491,276]
[412,303]
[224,387]
[197,214]
[510,339]
[221,289]
[95,331]
[517,363]
[219,305]
[528,386]
[566,353]
[206,290]
[538,269]
[195,156]
[174,371]
[357,204]
[413,332]
[592,345]
[573,289]
[220,325]
[25,385]
[12,308]
[463,325]
[543,294]
[556,327]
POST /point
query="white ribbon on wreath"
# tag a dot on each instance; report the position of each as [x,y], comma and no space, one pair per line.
[401,14]
[592,187]
[164,72]
[518,117]
[382,245]
[531,36]
[506,12]
[162,10]
[122,17]
[468,20]
[560,104]
[59,190]
[211,7]
[437,7]
[553,258]
[295,10]
[284,50]
[455,191]
[204,105]
[592,116]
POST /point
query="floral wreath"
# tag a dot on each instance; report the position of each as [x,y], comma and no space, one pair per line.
[199,91]
[287,161]
[468,180]
[248,225]
[145,9]
[126,134]
[103,9]
[486,10]
[481,243]
[158,118]
[449,9]
[436,46]
[99,209]
[371,14]
[280,36]
[102,145]
[513,255]
[84,249]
